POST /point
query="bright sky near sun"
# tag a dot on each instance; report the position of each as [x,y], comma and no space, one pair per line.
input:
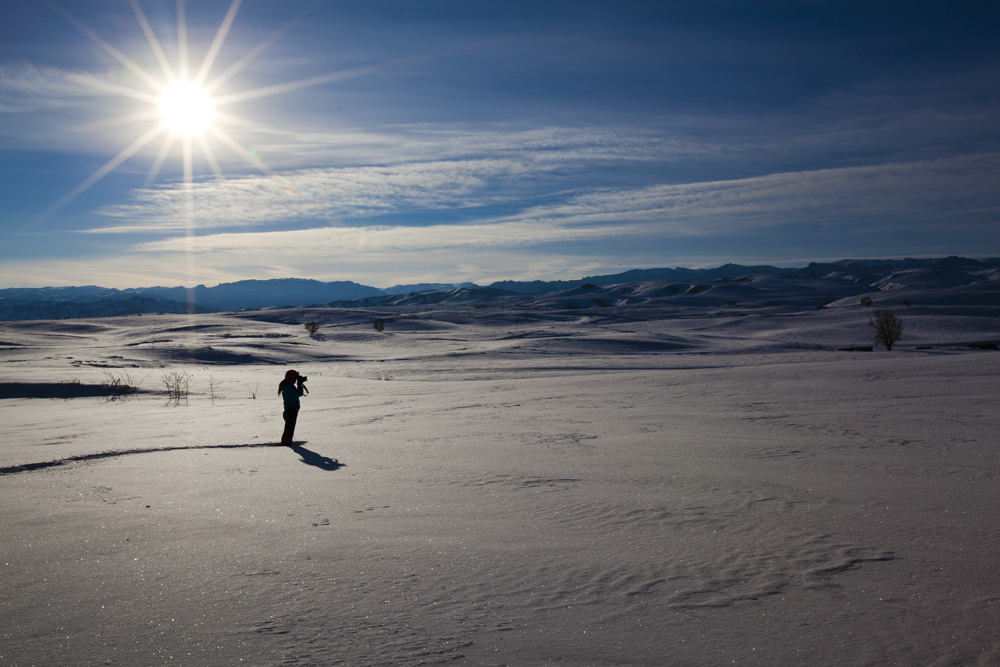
[167,143]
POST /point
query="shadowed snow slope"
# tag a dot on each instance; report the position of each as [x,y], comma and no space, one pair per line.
[636,483]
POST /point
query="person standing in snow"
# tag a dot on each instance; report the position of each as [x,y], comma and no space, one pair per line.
[291,388]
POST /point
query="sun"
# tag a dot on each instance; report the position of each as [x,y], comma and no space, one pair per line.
[182,103]
[189,114]
[186,109]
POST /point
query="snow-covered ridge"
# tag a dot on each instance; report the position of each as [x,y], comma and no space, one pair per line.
[952,280]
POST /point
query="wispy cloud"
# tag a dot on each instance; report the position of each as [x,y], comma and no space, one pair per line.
[327,242]
[397,144]
[422,170]
[916,190]
[649,220]
[921,189]
[319,194]
[27,89]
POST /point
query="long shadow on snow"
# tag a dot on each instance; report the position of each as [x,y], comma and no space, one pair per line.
[311,458]
[308,457]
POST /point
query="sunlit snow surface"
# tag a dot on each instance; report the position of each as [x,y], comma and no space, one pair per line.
[635,485]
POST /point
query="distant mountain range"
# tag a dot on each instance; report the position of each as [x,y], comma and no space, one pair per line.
[825,282]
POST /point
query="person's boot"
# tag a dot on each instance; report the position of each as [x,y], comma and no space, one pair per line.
[286,439]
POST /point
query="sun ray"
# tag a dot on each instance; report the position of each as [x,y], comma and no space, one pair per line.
[240,150]
[209,156]
[188,162]
[289,86]
[118,121]
[114,88]
[230,119]
[246,59]
[182,46]
[331,77]
[110,50]
[154,43]
[161,157]
[189,217]
[237,121]
[103,171]
[220,37]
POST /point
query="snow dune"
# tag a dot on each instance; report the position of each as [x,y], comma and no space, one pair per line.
[645,484]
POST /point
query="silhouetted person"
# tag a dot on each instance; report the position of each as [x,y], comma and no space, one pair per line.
[291,388]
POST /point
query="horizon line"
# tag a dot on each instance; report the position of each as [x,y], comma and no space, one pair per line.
[786,265]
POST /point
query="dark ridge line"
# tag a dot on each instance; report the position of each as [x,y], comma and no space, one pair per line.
[28,467]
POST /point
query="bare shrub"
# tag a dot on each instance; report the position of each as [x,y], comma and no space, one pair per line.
[213,385]
[178,386]
[312,328]
[253,390]
[120,386]
[888,327]
[866,300]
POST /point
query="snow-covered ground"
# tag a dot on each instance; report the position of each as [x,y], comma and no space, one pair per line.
[644,485]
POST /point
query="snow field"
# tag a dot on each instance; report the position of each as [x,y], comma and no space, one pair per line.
[540,490]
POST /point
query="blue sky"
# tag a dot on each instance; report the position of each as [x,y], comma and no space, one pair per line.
[447,140]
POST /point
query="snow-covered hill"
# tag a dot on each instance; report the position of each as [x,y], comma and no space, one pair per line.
[972,283]
[889,282]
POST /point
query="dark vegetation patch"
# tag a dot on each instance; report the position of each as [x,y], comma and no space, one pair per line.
[63,390]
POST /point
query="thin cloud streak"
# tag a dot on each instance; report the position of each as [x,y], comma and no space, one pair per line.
[916,189]
[323,194]
[28,88]
[653,218]
[332,241]
[919,190]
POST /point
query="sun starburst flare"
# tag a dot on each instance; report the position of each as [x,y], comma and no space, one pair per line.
[186,109]
[183,108]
